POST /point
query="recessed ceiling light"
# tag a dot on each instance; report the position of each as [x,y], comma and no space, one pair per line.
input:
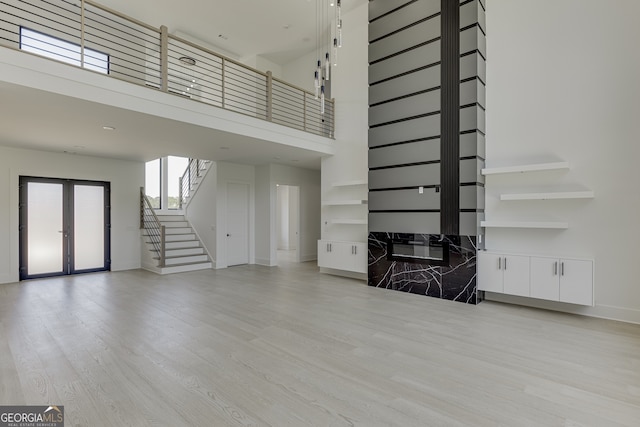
[108,128]
[187,60]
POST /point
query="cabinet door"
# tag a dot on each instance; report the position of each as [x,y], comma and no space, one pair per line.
[324,255]
[490,273]
[516,275]
[360,257]
[545,278]
[576,281]
[341,255]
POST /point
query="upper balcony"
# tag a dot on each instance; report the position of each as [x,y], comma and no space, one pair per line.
[103,42]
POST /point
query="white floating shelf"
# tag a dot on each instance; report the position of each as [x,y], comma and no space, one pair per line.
[549,196]
[524,224]
[350,183]
[526,168]
[349,221]
[344,202]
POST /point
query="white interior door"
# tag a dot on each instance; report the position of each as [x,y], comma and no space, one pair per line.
[237,223]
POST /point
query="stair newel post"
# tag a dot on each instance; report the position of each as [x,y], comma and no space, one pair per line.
[163,244]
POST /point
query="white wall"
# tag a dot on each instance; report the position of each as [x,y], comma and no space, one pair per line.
[126,178]
[562,85]
[202,210]
[350,89]
[243,174]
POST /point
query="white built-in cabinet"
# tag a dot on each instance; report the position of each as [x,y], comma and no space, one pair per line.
[347,256]
[556,279]
[345,207]
[564,280]
[508,274]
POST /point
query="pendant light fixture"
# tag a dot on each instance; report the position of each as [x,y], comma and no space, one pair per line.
[328,27]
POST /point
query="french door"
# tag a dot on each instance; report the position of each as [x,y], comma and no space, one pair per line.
[64,227]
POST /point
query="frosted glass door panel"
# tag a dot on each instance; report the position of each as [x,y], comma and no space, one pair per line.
[88,225]
[46,229]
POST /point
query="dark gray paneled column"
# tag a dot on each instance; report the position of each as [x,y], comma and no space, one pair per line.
[404,115]
[426,144]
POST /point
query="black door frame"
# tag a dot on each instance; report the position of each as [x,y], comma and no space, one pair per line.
[68,221]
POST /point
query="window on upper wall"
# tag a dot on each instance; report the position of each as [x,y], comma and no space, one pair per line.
[152,182]
[176,169]
[61,50]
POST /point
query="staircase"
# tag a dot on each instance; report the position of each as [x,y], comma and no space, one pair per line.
[183,250]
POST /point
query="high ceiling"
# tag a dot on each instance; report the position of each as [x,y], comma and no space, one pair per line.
[279,30]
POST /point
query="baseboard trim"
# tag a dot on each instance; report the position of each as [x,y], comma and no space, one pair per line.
[608,312]
[265,262]
[344,273]
[308,257]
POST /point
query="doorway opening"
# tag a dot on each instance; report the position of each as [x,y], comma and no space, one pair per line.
[64,227]
[287,224]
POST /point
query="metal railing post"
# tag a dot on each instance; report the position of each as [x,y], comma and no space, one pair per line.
[304,111]
[82,8]
[332,133]
[269,96]
[141,208]
[164,58]
[163,244]
[222,78]
[180,192]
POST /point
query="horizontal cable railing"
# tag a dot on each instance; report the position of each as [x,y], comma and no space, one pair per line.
[88,35]
[155,233]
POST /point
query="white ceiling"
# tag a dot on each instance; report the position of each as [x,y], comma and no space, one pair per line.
[46,121]
[251,27]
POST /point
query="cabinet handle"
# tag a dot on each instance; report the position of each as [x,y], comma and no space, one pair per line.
[555,268]
[562,268]
[499,263]
[355,250]
[505,263]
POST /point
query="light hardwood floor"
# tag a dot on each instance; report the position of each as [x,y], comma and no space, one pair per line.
[287,346]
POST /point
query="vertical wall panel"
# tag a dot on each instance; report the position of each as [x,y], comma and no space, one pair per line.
[426,143]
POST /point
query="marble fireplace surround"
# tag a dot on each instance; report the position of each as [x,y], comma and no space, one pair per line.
[455,281]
